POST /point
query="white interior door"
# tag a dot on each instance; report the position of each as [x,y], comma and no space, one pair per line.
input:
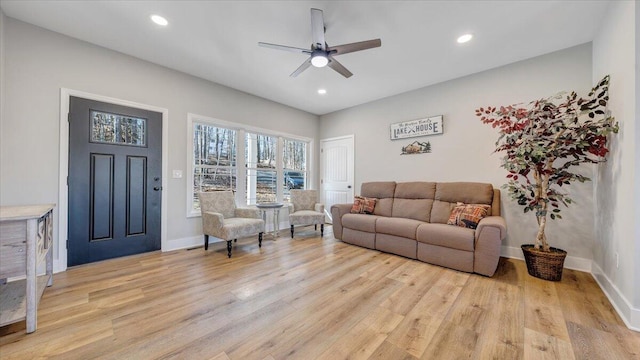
[336,181]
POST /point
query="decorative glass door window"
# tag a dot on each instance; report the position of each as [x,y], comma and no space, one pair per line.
[117,129]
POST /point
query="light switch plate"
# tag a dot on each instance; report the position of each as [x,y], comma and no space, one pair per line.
[177,174]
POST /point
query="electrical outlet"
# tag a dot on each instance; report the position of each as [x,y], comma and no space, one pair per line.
[177,174]
[617,261]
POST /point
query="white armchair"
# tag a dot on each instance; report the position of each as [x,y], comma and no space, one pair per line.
[222,219]
[305,210]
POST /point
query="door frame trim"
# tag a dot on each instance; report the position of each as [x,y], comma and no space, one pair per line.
[60,264]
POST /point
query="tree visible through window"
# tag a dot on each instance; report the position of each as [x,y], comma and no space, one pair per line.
[261,161]
[214,155]
[294,155]
[270,167]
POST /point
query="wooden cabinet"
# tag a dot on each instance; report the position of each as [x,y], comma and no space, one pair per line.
[26,238]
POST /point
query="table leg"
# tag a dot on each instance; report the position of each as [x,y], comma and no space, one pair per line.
[276,216]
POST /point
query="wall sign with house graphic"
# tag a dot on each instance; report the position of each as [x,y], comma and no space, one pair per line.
[414,128]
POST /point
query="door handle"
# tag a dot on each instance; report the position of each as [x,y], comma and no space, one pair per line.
[157,188]
[349,187]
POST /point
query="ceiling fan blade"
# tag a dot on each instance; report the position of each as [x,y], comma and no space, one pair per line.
[285,48]
[357,46]
[335,65]
[317,29]
[301,68]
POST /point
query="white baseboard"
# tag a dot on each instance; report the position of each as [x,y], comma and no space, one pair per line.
[629,314]
[571,262]
[188,242]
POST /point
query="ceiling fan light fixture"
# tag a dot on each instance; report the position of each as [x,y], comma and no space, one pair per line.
[319,60]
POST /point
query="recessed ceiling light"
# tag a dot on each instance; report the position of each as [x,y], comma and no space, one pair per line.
[464,38]
[159,20]
[322,91]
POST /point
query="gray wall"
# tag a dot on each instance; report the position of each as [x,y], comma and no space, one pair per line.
[617,192]
[39,62]
[464,151]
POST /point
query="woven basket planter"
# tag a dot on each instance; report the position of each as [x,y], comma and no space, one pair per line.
[544,265]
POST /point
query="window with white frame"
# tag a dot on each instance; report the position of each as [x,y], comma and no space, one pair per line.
[262,174]
[214,160]
[294,159]
[259,165]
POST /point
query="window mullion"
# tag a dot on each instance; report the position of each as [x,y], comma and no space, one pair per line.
[241,168]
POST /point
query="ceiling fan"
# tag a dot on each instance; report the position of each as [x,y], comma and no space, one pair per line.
[321,54]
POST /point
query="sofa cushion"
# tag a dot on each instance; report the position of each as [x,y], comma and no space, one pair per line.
[449,194]
[454,237]
[383,191]
[398,227]
[440,211]
[363,205]
[360,222]
[378,189]
[415,190]
[416,209]
[468,215]
[413,200]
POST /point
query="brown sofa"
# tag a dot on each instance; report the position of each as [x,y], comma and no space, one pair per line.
[410,219]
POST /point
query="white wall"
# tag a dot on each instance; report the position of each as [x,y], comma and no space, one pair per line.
[464,151]
[39,62]
[617,191]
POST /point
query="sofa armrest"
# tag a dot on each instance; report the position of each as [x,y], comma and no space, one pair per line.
[251,213]
[337,211]
[319,207]
[492,221]
[489,235]
[212,222]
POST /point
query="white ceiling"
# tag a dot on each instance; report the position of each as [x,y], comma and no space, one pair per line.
[217,40]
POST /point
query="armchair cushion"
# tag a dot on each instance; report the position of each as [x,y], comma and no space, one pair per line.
[306,217]
[235,228]
[250,213]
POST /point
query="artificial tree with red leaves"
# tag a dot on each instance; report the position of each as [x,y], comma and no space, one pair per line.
[544,141]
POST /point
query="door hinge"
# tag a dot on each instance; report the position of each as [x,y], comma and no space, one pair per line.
[67,243]
[67,180]
[69,117]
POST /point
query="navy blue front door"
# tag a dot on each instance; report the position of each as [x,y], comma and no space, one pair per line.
[115,168]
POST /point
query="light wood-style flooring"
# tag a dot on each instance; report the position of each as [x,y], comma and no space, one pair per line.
[313,298]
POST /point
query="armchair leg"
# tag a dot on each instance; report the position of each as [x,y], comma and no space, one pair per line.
[315,227]
[321,230]
[259,239]
[206,242]
[292,231]
[229,248]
